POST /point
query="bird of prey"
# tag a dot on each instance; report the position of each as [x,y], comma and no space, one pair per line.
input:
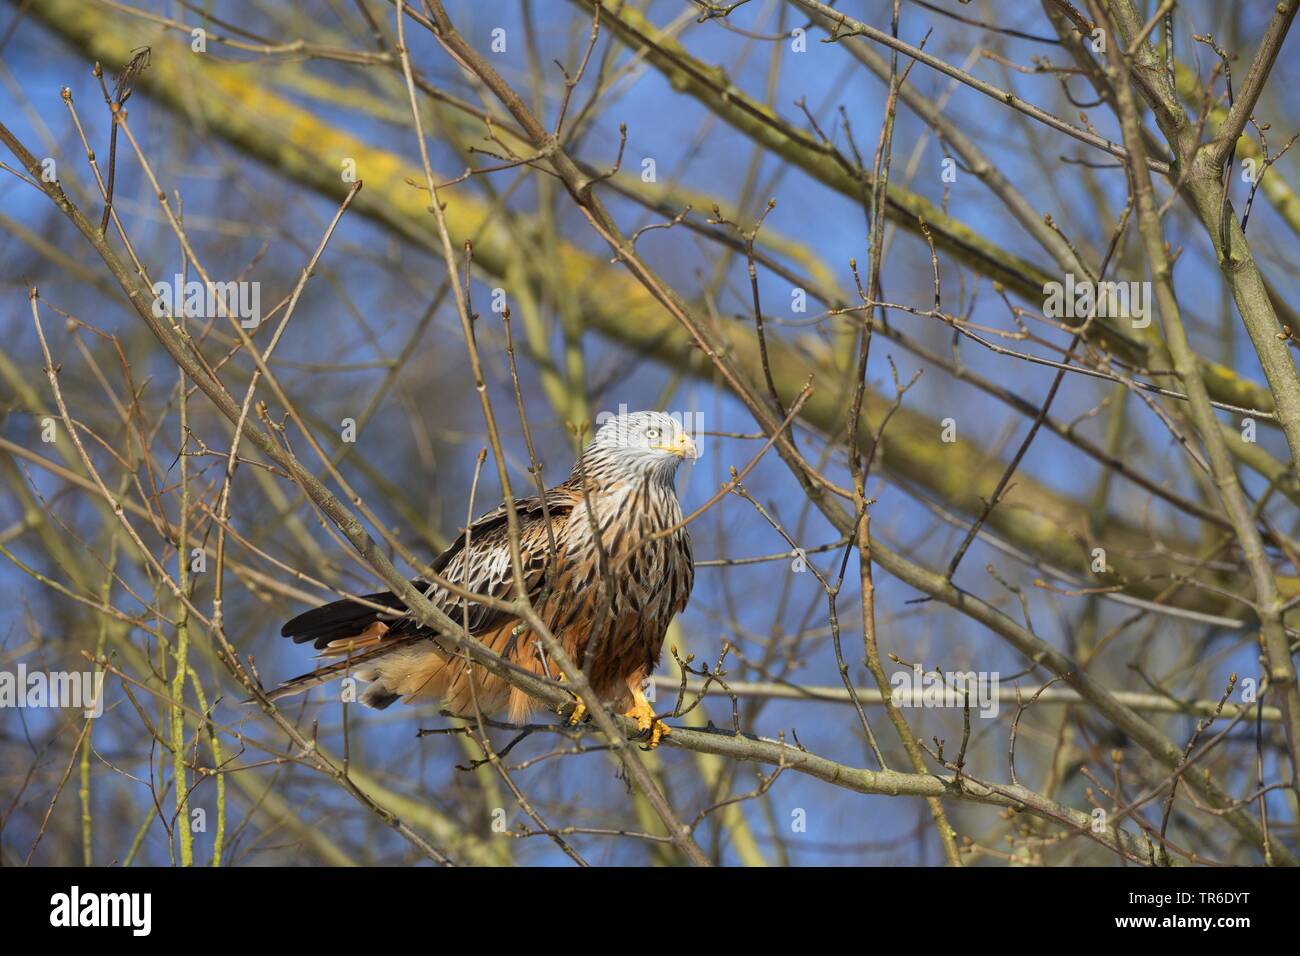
[608,598]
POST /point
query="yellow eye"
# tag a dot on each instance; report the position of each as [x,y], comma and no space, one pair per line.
[652,433]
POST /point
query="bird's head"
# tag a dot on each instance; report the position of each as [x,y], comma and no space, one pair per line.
[637,444]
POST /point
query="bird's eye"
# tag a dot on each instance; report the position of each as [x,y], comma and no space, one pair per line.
[652,433]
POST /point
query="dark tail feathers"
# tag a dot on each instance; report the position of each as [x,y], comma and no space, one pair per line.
[342,619]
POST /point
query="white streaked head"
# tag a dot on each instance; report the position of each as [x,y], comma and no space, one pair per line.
[635,444]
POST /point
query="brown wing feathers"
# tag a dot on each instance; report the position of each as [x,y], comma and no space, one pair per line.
[362,633]
[347,618]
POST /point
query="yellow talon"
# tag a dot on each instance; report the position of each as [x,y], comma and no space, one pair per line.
[579,712]
[645,718]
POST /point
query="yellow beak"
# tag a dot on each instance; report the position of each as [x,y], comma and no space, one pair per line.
[682,446]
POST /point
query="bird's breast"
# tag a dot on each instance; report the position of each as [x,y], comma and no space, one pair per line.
[640,540]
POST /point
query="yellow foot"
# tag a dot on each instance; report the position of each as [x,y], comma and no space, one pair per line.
[644,715]
[579,711]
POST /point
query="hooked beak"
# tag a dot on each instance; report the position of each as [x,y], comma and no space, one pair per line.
[682,447]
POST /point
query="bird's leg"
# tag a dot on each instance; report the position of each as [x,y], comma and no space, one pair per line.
[644,714]
[579,711]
